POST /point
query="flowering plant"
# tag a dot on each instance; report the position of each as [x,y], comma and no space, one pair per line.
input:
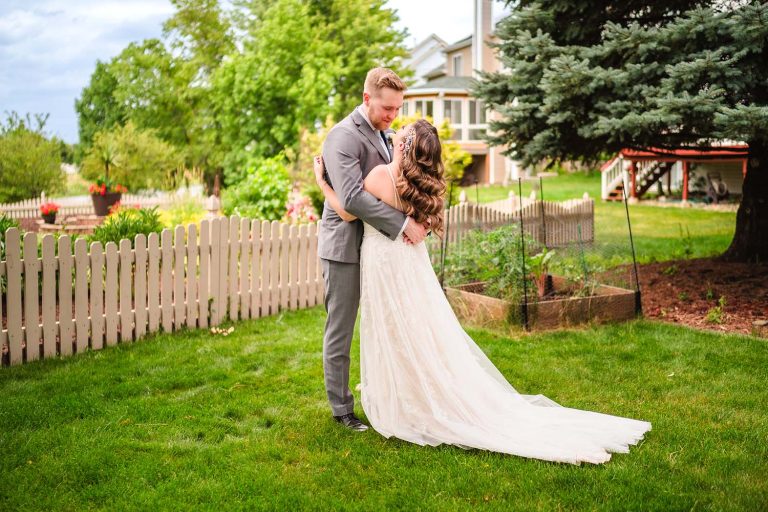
[104,186]
[299,209]
[49,208]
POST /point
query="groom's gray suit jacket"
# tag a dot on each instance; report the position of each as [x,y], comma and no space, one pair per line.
[350,151]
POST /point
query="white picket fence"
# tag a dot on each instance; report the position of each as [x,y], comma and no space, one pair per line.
[549,223]
[81,205]
[65,301]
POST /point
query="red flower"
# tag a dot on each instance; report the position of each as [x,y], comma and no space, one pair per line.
[47,208]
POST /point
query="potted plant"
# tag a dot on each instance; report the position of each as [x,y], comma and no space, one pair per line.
[48,210]
[104,194]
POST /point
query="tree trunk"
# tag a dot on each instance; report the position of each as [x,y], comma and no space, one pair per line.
[750,242]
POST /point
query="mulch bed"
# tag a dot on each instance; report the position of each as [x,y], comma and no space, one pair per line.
[686,291]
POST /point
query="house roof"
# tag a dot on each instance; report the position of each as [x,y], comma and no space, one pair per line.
[458,45]
[429,39]
[435,73]
[445,82]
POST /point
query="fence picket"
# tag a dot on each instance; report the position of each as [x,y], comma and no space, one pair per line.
[313,263]
[274,270]
[140,280]
[82,324]
[285,266]
[223,268]
[303,249]
[49,296]
[245,265]
[166,279]
[126,295]
[234,248]
[255,267]
[205,265]
[110,294]
[31,310]
[215,266]
[191,272]
[153,281]
[97,296]
[65,296]
[179,253]
[266,266]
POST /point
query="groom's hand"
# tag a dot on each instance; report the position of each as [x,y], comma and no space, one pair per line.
[414,232]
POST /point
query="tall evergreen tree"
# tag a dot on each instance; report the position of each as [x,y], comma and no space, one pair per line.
[584,78]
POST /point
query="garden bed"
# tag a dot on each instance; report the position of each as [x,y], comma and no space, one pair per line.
[558,309]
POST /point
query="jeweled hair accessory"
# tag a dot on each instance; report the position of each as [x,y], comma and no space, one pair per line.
[409,140]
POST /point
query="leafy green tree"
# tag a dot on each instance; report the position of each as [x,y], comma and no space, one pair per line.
[135,158]
[300,62]
[585,78]
[30,163]
[97,108]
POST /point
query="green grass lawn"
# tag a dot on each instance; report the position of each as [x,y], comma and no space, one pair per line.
[660,233]
[197,421]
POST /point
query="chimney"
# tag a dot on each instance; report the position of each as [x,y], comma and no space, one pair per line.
[480,35]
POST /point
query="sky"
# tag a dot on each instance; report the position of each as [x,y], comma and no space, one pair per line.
[49,48]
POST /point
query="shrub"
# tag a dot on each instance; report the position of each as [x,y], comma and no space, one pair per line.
[29,162]
[263,193]
[127,223]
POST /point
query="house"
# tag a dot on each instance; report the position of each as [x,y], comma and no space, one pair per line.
[443,92]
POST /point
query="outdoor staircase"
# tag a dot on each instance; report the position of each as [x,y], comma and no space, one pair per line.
[616,176]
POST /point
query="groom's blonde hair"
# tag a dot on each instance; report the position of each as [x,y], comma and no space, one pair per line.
[380,78]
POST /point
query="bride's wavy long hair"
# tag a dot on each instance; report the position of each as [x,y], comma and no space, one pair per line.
[421,184]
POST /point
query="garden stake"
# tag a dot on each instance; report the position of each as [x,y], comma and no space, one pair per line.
[522,253]
[638,303]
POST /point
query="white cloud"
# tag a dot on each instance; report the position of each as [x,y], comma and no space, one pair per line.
[48,50]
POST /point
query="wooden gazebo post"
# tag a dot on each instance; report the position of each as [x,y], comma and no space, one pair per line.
[685,181]
[633,181]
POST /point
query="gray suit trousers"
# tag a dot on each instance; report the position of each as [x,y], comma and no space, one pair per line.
[342,300]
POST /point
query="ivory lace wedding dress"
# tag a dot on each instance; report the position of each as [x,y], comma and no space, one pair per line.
[425,381]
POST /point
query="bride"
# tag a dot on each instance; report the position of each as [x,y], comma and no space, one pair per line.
[423,379]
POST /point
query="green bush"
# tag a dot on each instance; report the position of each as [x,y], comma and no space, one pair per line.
[127,223]
[29,162]
[263,193]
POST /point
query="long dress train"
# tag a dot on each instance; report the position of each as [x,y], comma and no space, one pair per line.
[424,380]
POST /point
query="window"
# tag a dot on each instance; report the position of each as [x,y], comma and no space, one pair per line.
[425,107]
[476,112]
[452,111]
[405,108]
[457,67]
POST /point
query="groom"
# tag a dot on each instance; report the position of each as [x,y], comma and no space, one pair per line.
[354,147]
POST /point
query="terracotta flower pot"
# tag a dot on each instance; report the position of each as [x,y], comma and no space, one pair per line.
[102,203]
[49,218]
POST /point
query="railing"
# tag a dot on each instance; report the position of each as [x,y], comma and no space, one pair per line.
[612,174]
[68,301]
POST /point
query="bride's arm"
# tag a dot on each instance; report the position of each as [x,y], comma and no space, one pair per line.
[329,193]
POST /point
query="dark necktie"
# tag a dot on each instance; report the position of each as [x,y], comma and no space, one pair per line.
[386,144]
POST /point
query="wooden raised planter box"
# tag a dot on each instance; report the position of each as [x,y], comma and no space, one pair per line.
[608,304]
